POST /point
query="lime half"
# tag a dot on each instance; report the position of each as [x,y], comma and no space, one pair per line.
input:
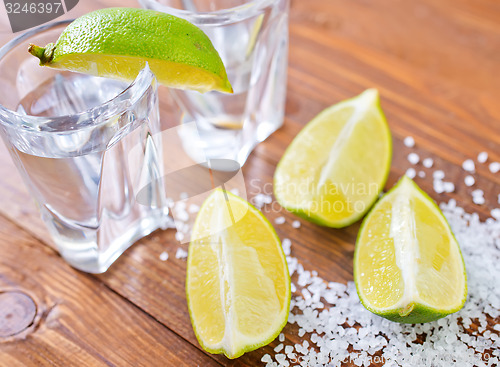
[117,43]
[407,264]
[335,168]
[238,285]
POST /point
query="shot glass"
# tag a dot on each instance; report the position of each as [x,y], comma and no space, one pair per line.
[70,135]
[252,40]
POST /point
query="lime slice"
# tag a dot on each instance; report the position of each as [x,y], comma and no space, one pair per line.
[407,264]
[117,43]
[237,286]
[334,169]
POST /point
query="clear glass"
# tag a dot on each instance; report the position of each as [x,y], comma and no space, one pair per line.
[84,145]
[252,40]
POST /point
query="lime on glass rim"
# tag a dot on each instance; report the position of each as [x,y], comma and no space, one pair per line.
[118,42]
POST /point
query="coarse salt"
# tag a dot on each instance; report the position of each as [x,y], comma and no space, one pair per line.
[477,192]
[428,162]
[411,173]
[448,187]
[413,158]
[438,174]
[482,157]
[409,142]
[468,165]
[495,213]
[494,167]
[279,220]
[296,224]
[179,236]
[479,200]
[164,256]
[332,329]
[469,180]
[260,200]
[287,246]
[181,253]
[438,186]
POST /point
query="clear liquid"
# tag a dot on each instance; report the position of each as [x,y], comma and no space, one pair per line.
[254,52]
[85,186]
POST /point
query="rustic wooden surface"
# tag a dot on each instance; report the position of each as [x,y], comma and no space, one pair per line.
[436,66]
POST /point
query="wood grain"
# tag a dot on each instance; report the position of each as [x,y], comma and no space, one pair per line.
[78,321]
[435,65]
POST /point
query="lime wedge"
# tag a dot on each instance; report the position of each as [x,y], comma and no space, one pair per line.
[334,169]
[237,286]
[117,43]
[407,264]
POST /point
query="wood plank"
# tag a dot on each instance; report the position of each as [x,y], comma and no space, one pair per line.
[78,321]
[435,65]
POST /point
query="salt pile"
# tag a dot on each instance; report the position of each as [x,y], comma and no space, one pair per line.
[337,329]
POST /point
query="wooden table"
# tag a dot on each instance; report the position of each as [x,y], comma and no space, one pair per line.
[435,64]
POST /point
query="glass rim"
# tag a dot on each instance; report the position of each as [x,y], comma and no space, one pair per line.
[216,17]
[96,116]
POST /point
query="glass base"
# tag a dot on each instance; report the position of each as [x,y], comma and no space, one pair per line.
[86,257]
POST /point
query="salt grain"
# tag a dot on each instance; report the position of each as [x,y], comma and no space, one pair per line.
[438,186]
[421,174]
[181,253]
[438,174]
[397,344]
[479,200]
[409,142]
[411,173]
[281,337]
[468,165]
[164,256]
[279,220]
[448,187]
[179,236]
[495,213]
[428,162]
[193,208]
[482,157]
[413,158]
[296,223]
[494,167]
[260,200]
[266,358]
[469,180]
[477,192]
[278,348]
[287,246]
